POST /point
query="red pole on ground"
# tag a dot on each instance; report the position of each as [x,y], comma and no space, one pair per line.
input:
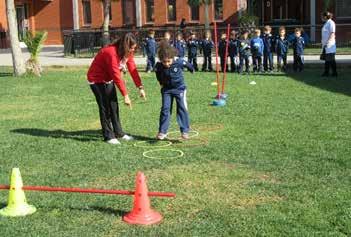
[81,190]
[217,68]
[226,58]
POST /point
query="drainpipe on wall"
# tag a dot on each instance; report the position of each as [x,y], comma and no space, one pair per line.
[313,20]
[75,7]
[138,13]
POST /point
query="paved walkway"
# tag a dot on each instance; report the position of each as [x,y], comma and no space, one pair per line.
[53,56]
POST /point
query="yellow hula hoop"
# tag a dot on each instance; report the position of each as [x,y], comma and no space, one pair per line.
[169,143]
[201,142]
[208,127]
[145,154]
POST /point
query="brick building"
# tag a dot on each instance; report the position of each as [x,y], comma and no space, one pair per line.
[55,16]
[58,15]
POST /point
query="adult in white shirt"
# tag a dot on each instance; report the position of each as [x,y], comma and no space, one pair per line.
[329,43]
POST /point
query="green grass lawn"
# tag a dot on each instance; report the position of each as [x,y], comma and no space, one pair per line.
[275,161]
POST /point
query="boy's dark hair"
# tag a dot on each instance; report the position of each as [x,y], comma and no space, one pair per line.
[298,29]
[245,32]
[124,43]
[165,50]
[151,32]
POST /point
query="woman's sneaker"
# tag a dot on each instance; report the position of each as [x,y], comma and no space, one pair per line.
[185,135]
[127,138]
[161,136]
[113,141]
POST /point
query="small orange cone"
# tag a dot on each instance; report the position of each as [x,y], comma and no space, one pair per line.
[142,213]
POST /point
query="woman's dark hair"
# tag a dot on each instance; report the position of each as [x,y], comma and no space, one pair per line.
[165,50]
[327,15]
[124,44]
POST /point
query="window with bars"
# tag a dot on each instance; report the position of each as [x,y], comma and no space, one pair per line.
[195,13]
[218,8]
[86,12]
[343,8]
[149,10]
[171,10]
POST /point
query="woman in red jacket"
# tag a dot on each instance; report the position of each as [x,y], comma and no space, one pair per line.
[104,73]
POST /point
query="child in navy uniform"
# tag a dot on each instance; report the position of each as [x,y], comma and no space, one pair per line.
[268,41]
[221,50]
[234,52]
[282,47]
[244,52]
[298,45]
[169,73]
[257,48]
[180,46]
[192,50]
[206,47]
[150,51]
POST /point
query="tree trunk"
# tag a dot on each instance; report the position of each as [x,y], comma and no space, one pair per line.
[17,58]
[207,18]
[106,24]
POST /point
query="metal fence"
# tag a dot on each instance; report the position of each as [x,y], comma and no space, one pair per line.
[85,43]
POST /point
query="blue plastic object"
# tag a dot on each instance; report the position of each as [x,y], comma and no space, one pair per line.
[219,103]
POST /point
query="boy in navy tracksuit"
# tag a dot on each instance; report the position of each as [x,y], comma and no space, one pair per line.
[257,48]
[206,47]
[193,44]
[268,41]
[298,46]
[281,48]
[244,52]
[234,52]
[180,46]
[221,50]
[150,51]
[169,73]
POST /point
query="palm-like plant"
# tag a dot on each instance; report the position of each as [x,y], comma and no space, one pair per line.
[207,3]
[34,44]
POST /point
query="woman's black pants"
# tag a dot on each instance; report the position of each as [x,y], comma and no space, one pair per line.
[330,63]
[106,99]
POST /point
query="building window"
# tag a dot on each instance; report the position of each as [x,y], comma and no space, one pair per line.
[86,12]
[218,8]
[149,10]
[128,9]
[195,15]
[171,10]
[343,9]
[110,12]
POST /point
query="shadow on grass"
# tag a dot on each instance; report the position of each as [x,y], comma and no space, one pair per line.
[106,210]
[340,84]
[82,135]
[6,74]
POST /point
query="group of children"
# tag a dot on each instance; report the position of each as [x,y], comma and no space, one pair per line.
[241,50]
[169,69]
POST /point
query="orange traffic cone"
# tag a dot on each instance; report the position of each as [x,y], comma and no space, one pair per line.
[142,213]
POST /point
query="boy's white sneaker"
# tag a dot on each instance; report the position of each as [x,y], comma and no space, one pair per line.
[185,135]
[113,141]
[161,136]
[127,138]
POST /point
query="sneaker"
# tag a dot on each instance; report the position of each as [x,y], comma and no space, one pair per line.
[161,136]
[113,141]
[185,135]
[127,138]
